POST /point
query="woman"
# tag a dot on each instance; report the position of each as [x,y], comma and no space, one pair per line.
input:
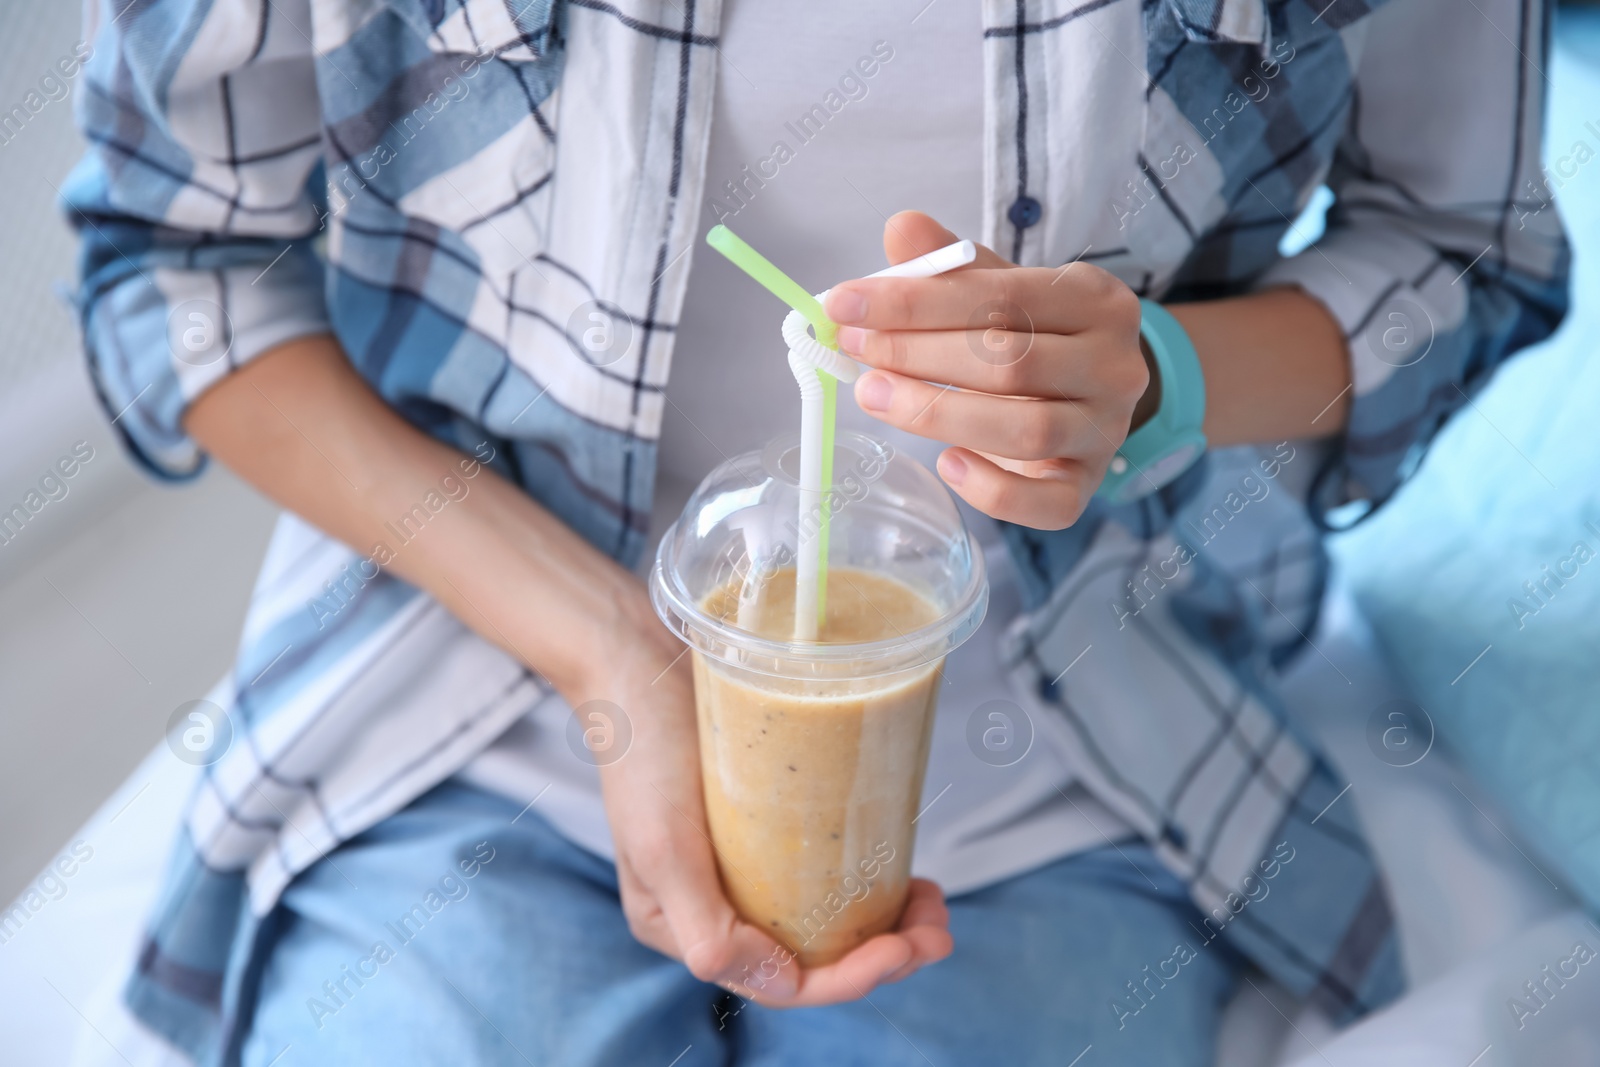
[417,271]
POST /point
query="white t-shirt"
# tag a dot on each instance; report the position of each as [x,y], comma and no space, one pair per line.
[816,139]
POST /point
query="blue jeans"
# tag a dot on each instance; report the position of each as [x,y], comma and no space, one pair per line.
[451,934]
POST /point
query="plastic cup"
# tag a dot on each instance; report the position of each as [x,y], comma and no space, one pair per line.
[812,754]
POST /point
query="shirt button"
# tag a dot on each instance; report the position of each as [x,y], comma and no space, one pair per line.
[1025,212]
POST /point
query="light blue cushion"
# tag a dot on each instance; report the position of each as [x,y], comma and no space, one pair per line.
[1510,488]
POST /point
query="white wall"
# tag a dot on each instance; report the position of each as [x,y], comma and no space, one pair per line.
[123,599]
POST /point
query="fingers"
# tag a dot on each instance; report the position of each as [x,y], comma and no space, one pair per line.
[922,937]
[853,976]
[1017,427]
[926,910]
[999,361]
[1024,299]
[909,234]
[926,924]
[674,902]
[718,947]
[1043,495]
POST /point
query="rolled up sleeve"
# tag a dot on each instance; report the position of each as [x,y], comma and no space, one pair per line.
[1444,253]
[194,205]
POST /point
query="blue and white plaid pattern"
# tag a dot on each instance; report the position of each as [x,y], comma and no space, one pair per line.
[482,170]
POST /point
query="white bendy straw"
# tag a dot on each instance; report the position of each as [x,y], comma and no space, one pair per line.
[818,367]
[809,360]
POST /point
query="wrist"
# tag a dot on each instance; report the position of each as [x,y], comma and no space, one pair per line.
[623,640]
[1169,439]
[1150,402]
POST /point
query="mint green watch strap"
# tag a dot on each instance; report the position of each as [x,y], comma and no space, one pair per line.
[1171,440]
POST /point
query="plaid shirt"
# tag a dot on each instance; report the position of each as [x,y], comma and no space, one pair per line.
[485,172]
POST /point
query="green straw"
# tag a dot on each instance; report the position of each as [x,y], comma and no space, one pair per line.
[775,282]
[792,293]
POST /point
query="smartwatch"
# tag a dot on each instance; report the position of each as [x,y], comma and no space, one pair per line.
[1170,441]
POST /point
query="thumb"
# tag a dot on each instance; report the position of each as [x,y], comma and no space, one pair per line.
[909,234]
[718,946]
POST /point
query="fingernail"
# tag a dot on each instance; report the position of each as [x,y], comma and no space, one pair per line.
[873,392]
[846,305]
[785,985]
[780,986]
[952,468]
[852,339]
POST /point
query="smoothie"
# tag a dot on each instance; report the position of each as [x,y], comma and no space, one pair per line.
[811,784]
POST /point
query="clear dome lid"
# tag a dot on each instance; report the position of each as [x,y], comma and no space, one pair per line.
[888,515]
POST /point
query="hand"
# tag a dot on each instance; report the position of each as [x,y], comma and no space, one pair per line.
[1046,360]
[671,892]
[593,636]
